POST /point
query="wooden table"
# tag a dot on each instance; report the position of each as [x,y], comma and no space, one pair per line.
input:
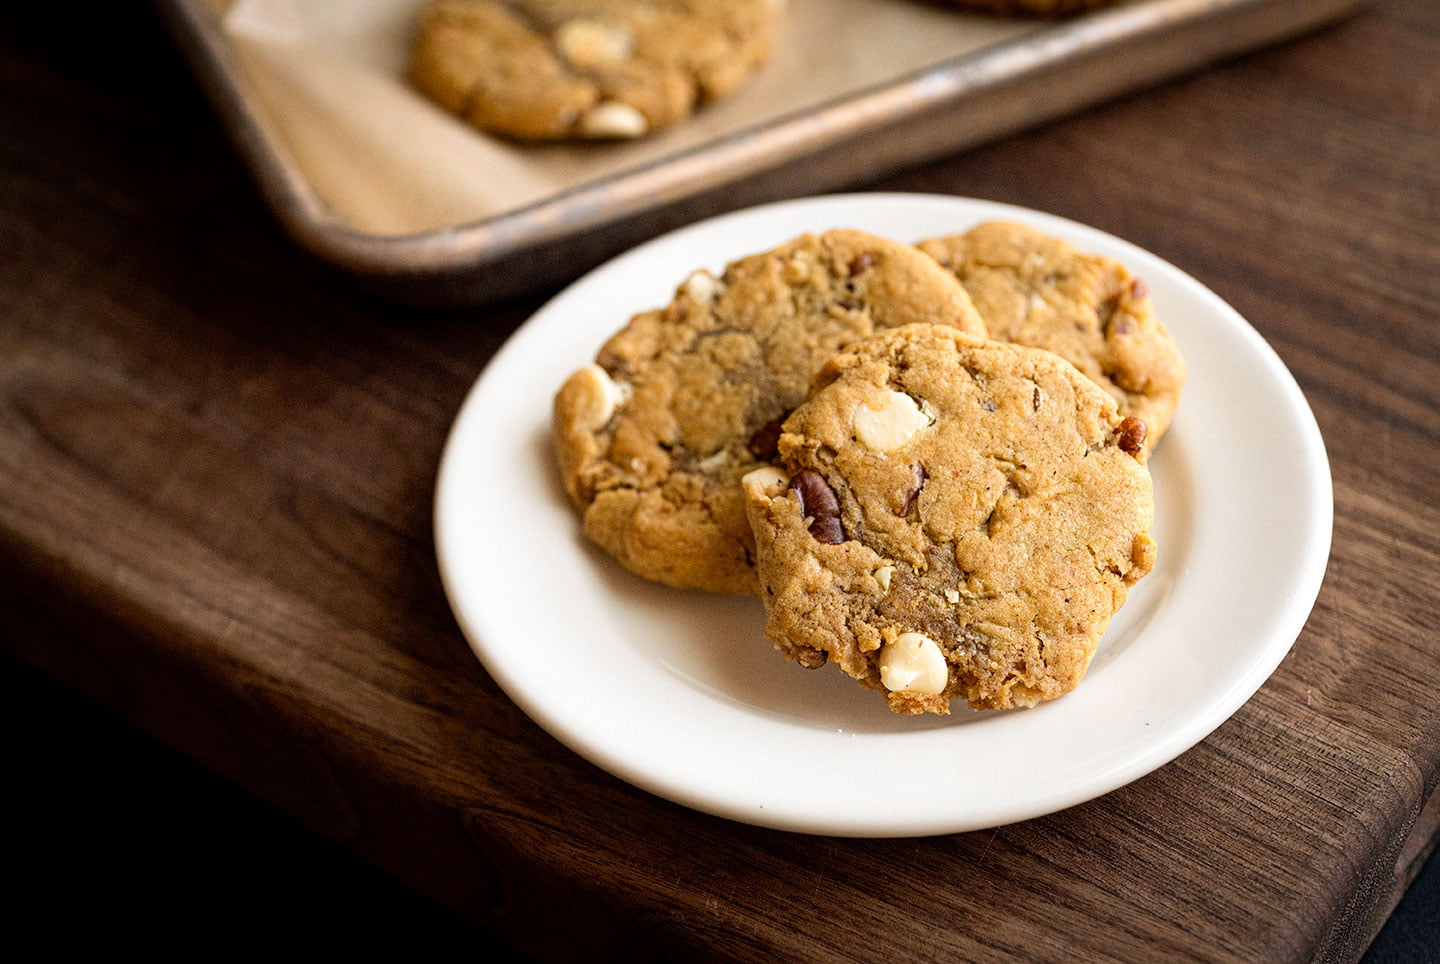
[216,462]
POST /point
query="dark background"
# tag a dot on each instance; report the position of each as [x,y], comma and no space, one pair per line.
[120,842]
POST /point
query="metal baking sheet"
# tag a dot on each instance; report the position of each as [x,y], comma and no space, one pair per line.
[810,130]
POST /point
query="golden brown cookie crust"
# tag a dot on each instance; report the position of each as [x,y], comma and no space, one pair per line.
[654,438]
[1001,514]
[586,69]
[1038,290]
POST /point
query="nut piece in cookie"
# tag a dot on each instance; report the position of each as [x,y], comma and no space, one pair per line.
[586,69]
[656,439]
[980,552]
[1037,290]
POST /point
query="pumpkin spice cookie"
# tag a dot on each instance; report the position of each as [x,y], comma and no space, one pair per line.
[586,69]
[1037,290]
[955,519]
[654,437]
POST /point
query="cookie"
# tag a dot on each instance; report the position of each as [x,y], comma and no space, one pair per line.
[654,437]
[955,519]
[586,69]
[1037,290]
[1034,8]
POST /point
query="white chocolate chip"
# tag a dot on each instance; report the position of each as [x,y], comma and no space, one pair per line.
[612,119]
[913,663]
[594,43]
[798,267]
[1024,697]
[883,575]
[703,287]
[889,421]
[602,396]
[713,462]
[766,479]
[952,596]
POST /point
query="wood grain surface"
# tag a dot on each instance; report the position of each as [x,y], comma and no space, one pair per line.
[216,461]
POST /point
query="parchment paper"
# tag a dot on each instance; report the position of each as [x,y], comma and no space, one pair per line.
[331,76]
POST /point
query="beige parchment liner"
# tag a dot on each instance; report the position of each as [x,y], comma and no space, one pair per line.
[330,74]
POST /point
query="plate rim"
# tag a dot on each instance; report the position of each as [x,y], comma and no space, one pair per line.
[1163,747]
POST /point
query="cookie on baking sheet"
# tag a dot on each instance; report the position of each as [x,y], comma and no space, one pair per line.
[1034,8]
[1038,290]
[586,69]
[955,519]
[654,437]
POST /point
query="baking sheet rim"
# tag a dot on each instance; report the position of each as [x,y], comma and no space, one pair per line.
[634,191]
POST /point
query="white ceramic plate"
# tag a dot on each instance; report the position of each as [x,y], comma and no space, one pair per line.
[680,692]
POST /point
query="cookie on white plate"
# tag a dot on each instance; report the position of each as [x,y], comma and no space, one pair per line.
[654,437]
[953,519]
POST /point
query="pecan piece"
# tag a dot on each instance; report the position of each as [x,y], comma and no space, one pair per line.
[914,493]
[819,504]
[1132,433]
[861,262]
[827,529]
[811,658]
